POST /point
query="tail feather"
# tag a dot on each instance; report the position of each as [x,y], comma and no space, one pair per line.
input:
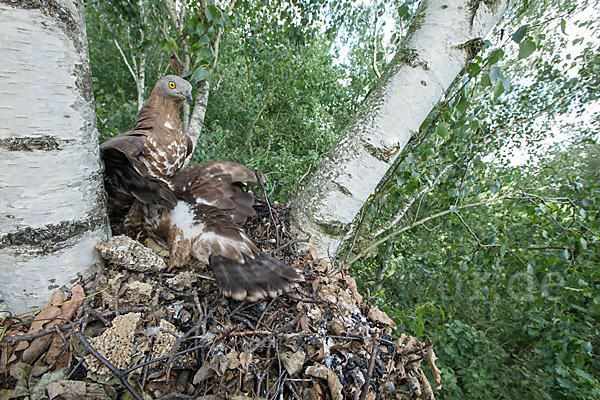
[254,279]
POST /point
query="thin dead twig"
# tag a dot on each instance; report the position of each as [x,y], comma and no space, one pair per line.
[257,173]
[66,326]
[180,339]
[283,246]
[119,373]
[279,330]
[374,350]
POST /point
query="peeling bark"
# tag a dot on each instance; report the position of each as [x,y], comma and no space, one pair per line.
[197,117]
[430,58]
[52,208]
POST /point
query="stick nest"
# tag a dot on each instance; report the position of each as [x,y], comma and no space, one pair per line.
[137,330]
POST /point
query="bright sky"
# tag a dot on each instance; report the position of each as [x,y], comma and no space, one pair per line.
[523,155]
[561,131]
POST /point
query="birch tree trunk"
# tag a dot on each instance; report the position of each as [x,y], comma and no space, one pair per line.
[432,55]
[52,206]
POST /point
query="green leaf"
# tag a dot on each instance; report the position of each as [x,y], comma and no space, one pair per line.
[495,74]
[583,243]
[201,74]
[526,48]
[171,44]
[453,192]
[563,26]
[520,33]
[498,89]
[402,10]
[442,129]
[454,209]
[462,105]
[496,56]
[587,347]
[206,53]
[506,83]
[563,254]
[485,80]
[473,69]
[208,13]
[204,39]
[584,375]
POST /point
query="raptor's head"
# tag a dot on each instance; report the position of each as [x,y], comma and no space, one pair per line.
[174,87]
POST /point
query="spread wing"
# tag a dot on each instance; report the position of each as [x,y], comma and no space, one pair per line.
[127,178]
[241,270]
[218,184]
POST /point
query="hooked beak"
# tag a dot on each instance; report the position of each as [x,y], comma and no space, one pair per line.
[188,96]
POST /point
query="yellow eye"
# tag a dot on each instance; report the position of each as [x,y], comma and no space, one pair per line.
[172,85]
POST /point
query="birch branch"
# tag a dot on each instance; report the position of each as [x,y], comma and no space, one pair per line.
[411,201]
[133,74]
[424,220]
[170,6]
[196,119]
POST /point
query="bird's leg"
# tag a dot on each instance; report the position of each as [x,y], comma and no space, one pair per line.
[133,221]
[179,248]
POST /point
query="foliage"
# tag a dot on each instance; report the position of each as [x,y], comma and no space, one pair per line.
[496,261]
[126,23]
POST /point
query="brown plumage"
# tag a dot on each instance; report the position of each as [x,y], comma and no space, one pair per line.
[202,225]
[140,162]
[209,234]
[192,210]
[218,184]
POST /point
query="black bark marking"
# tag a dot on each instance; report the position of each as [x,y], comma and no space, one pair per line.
[52,237]
[44,143]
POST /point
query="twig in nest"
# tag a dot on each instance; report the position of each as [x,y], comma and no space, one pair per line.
[31,336]
[268,205]
[178,342]
[119,373]
[279,330]
[97,315]
[175,396]
[77,366]
[265,311]
[374,349]
[289,385]
[300,300]
[44,332]
[283,246]
[243,320]
[147,367]
[262,377]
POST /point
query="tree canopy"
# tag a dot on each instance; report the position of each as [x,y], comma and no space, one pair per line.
[484,234]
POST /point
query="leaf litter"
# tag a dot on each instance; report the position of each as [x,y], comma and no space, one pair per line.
[138,330]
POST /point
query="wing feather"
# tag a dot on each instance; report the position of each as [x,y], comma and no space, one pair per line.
[126,176]
[241,270]
[218,184]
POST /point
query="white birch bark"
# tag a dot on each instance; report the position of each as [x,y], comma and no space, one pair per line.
[52,209]
[430,58]
[197,117]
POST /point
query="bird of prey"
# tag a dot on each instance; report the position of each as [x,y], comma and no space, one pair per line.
[139,163]
[192,210]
